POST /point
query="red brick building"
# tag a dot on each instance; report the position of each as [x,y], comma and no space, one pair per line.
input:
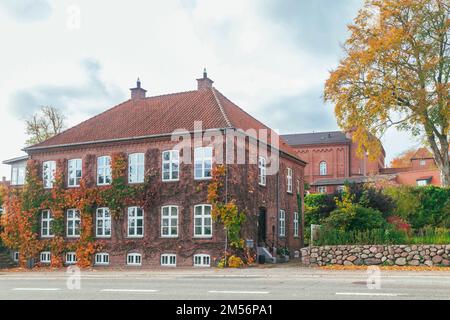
[332,160]
[422,170]
[178,230]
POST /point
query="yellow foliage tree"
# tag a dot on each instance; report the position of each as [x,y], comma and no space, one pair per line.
[395,73]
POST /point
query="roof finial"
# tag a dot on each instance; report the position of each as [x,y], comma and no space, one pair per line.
[138,83]
[205,74]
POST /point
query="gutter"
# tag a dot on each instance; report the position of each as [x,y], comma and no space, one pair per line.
[163,135]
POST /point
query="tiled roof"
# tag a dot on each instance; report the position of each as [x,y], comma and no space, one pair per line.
[356,179]
[160,115]
[422,153]
[299,139]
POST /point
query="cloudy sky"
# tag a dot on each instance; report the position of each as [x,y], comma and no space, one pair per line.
[270,57]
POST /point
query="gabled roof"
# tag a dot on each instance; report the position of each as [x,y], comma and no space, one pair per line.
[422,153]
[160,115]
[327,137]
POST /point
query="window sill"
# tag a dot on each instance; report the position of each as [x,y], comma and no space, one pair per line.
[168,237]
[202,179]
[103,237]
[135,237]
[171,180]
[203,237]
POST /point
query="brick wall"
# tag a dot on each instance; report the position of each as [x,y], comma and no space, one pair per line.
[186,193]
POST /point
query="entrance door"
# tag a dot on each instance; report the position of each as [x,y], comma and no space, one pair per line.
[262,225]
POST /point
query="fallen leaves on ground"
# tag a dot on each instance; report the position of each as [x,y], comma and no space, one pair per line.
[390,268]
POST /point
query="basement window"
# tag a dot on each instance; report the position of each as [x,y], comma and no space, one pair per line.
[202,260]
[71,258]
[102,259]
[169,260]
[45,257]
[134,259]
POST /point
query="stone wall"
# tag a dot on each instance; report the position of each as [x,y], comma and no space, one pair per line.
[400,255]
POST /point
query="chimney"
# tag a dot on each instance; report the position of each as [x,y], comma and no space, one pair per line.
[138,93]
[205,82]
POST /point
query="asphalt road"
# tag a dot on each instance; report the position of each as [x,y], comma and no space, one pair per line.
[203,284]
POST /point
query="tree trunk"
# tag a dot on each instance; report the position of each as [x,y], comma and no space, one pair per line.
[445,174]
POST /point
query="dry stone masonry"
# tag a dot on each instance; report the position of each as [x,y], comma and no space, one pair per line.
[400,255]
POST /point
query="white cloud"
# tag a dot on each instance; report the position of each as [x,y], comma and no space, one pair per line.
[262,54]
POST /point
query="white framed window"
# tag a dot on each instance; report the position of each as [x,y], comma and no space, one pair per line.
[296,220]
[136,168]
[134,259]
[169,221]
[48,173]
[47,224]
[323,168]
[202,260]
[289,180]
[171,165]
[135,222]
[74,167]
[103,223]
[169,260]
[422,182]
[422,162]
[262,171]
[282,224]
[104,170]
[15,256]
[71,258]
[45,257]
[18,175]
[298,186]
[202,221]
[203,162]
[322,189]
[340,188]
[101,259]
[73,223]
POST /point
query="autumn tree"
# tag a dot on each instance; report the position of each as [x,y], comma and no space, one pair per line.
[395,73]
[403,160]
[49,121]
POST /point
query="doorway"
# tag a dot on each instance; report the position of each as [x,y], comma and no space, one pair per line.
[262,216]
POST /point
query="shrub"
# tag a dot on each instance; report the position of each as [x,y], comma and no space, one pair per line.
[355,217]
[283,251]
[318,207]
[422,206]
[235,262]
[371,197]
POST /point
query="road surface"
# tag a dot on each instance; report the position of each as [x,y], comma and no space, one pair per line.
[203,284]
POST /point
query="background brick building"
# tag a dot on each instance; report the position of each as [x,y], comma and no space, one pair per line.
[332,160]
